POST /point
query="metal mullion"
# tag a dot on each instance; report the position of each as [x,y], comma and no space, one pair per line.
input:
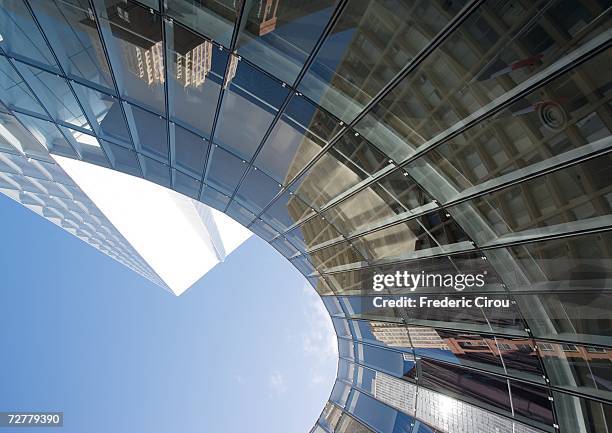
[213,129]
[466,126]
[43,106]
[310,59]
[166,100]
[112,74]
[63,73]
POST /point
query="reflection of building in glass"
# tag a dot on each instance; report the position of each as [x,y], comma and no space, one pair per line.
[394,392]
[401,336]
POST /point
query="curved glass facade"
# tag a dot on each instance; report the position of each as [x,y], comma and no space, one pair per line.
[361,137]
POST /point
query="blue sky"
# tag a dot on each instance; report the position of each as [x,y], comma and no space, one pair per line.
[248,348]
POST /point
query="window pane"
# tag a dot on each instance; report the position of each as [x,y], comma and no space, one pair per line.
[495,49]
[21,37]
[189,150]
[14,92]
[133,36]
[248,108]
[213,18]
[298,136]
[73,34]
[368,45]
[149,132]
[225,171]
[195,74]
[279,35]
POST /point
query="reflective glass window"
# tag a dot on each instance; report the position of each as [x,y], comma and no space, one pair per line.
[560,120]
[248,108]
[87,146]
[581,414]
[348,162]
[14,92]
[495,49]
[122,159]
[298,136]
[155,171]
[55,94]
[287,210]
[240,214]
[378,415]
[213,18]
[149,132]
[469,385]
[133,37]
[71,29]
[279,35]
[189,150]
[105,113]
[392,362]
[367,46]
[195,75]
[569,316]
[388,334]
[20,34]
[351,425]
[257,190]
[561,202]
[48,135]
[186,184]
[224,171]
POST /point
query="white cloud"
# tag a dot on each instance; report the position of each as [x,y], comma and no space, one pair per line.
[277,382]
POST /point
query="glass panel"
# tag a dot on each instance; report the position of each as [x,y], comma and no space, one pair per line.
[376,204]
[350,161]
[55,94]
[586,369]
[149,132]
[287,210]
[574,263]
[330,416]
[378,415]
[240,214]
[575,414]
[214,198]
[484,390]
[195,75]
[16,139]
[335,255]
[257,190]
[279,35]
[340,393]
[569,316]
[556,202]
[531,404]
[284,247]
[565,115]
[298,136]
[389,361]
[386,334]
[133,37]
[313,232]
[14,92]
[105,113]
[263,230]
[86,145]
[189,150]
[155,171]
[350,425]
[249,106]
[492,51]
[186,184]
[213,18]
[48,135]
[397,242]
[71,30]
[20,34]
[122,159]
[368,45]
[225,170]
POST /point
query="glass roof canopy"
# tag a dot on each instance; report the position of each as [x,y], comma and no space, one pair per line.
[370,136]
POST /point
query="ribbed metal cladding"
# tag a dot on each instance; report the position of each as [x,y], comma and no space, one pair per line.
[361,137]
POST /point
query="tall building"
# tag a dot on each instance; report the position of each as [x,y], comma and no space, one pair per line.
[359,137]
